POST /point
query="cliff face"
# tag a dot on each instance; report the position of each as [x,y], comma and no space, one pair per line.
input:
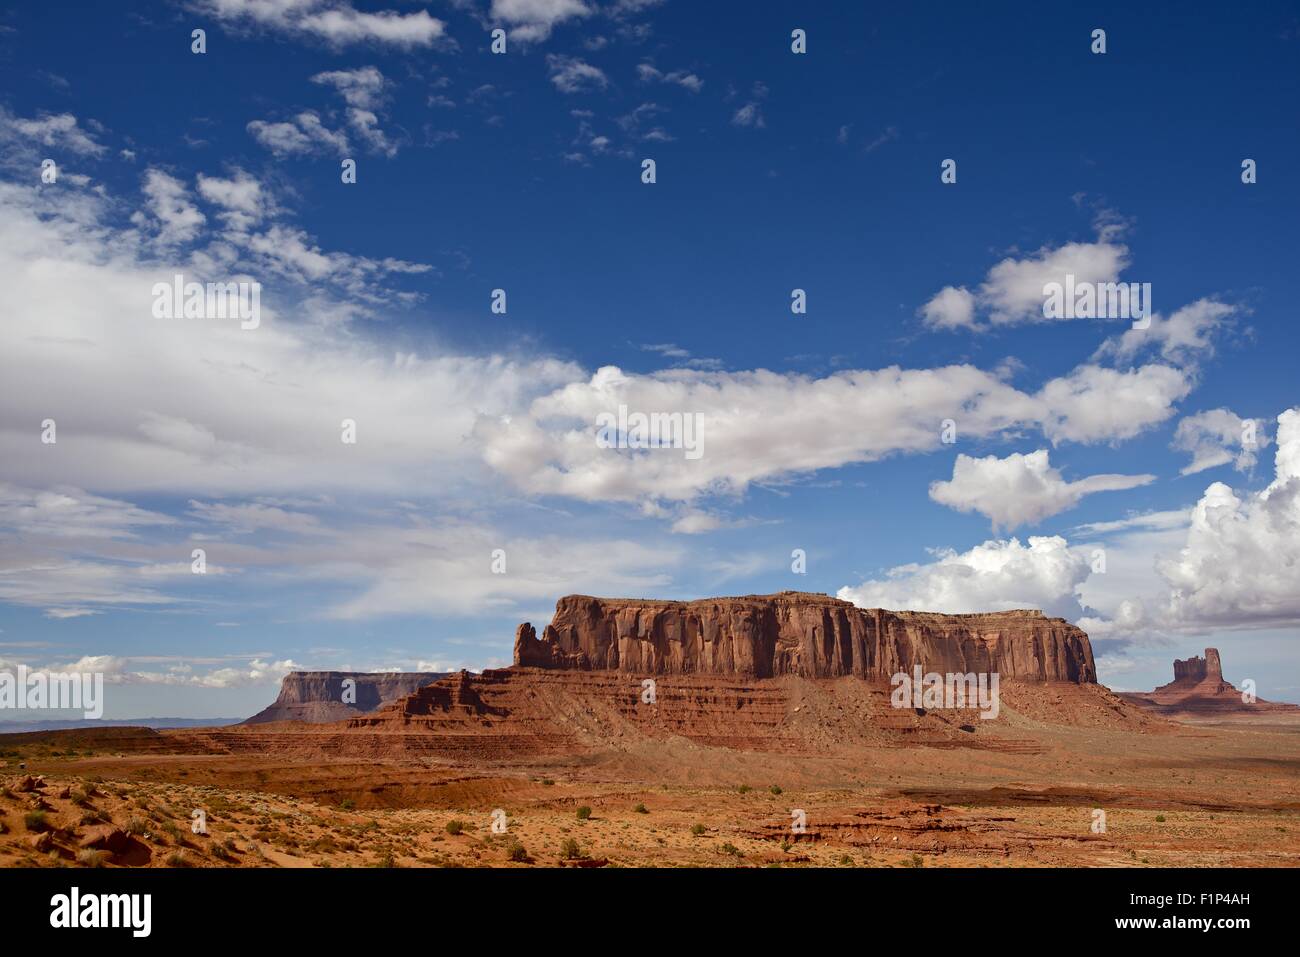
[1195,670]
[800,633]
[317,696]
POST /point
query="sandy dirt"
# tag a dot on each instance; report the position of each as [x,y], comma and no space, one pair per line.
[1031,792]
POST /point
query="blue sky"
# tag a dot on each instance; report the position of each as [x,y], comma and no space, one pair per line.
[522,171]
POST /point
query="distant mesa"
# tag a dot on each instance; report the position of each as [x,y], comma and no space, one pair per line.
[1199,688]
[317,697]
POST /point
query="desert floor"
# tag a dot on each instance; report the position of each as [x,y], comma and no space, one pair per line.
[1209,794]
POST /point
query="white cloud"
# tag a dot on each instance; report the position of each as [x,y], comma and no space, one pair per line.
[573,75]
[203,407]
[1183,337]
[994,576]
[648,73]
[363,90]
[241,198]
[1094,404]
[1240,564]
[1012,292]
[552,450]
[172,215]
[59,131]
[749,115]
[362,87]
[118,670]
[1020,489]
[951,308]
[532,20]
[303,135]
[1231,562]
[1218,437]
[336,22]
[63,511]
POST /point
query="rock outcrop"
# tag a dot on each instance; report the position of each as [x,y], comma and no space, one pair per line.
[1195,670]
[317,697]
[799,633]
[1199,688]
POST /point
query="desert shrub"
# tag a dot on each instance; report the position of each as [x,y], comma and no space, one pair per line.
[1160,819]
[516,852]
[640,809]
[916,860]
[177,859]
[698,829]
[548,781]
[36,821]
[584,813]
[744,789]
[455,827]
[729,848]
[775,789]
[570,850]
[92,858]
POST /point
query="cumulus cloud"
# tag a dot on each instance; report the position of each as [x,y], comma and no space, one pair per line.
[1240,564]
[1096,404]
[1020,489]
[1012,291]
[1220,436]
[997,575]
[951,308]
[1230,562]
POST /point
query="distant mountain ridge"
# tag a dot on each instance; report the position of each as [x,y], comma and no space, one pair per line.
[19,727]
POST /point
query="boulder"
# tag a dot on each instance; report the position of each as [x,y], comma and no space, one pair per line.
[105,837]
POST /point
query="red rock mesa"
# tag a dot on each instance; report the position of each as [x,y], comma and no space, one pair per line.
[799,633]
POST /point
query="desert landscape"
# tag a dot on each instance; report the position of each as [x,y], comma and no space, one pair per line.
[729,732]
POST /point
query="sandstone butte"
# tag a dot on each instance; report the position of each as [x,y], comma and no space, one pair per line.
[799,633]
[1199,688]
